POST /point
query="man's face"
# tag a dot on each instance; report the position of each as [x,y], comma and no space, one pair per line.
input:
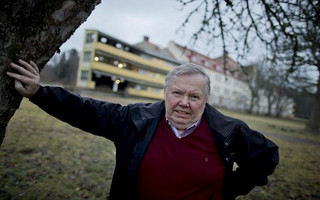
[185,100]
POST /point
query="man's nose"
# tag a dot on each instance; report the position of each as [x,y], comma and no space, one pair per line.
[184,101]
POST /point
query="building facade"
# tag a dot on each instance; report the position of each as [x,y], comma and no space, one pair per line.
[228,86]
[107,63]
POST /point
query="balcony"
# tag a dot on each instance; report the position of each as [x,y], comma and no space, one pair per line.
[133,76]
[151,65]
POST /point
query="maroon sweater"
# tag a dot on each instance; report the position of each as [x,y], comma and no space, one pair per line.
[186,168]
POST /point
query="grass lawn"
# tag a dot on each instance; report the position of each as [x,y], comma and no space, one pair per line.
[43,158]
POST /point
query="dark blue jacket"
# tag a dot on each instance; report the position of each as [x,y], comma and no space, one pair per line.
[131,128]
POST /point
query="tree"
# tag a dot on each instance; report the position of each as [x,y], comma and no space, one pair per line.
[72,66]
[289,31]
[61,68]
[275,86]
[303,104]
[269,91]
[268,82]
[65,71]
[253,77]
[33,30]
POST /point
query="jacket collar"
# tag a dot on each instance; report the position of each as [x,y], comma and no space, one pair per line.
[143,113]
[218,122]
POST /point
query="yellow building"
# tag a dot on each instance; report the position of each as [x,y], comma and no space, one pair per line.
[107,63]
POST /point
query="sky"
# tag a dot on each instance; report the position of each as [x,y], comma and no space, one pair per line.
[131,20]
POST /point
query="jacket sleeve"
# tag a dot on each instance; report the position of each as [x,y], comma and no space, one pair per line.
[256,157]
[97,117]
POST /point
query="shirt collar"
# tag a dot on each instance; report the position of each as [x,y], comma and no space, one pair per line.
[185,133]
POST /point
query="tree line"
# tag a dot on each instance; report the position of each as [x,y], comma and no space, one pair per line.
[263,79]
[279,89]
[62,69]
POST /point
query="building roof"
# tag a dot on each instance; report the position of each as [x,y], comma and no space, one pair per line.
[139,48]
[206,61]
[154,49]
[230,68]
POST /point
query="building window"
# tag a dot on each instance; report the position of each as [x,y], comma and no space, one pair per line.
[142,72]
[206,63]
[216,89]
[236,83]
[227,81]
[156,90]
[84,75]
[140,87]
[218,77]
[90,37]
[219,68]
[226,91]
[87,56]
[234,93]
[158,76]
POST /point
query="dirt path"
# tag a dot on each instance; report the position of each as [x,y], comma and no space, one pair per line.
[293,139]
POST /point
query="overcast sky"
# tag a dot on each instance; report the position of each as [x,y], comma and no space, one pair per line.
[130,20]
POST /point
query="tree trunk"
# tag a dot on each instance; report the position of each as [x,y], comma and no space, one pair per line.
[33,30]
[314,121]
[269,105]
[252,100]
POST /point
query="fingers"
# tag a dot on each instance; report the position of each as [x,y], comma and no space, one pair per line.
[26,79]
[19,87]
[26,70]
[21,78]
[24,91]
[34,66]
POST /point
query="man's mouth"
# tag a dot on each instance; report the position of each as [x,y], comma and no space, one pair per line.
[182,112]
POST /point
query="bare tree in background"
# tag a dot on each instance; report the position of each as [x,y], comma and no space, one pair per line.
[275,86]
[253,79]
[33,30]
[288,29]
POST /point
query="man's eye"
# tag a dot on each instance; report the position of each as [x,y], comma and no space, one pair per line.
[194,98]
[176,93]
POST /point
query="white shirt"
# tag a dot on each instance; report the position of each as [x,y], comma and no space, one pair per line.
[185,133]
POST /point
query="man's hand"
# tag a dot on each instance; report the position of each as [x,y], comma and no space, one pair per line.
[27,78]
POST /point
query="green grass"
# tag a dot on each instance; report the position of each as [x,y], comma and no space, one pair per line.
[281,126]
[43,158]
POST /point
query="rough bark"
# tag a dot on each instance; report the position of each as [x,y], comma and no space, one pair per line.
[33,30]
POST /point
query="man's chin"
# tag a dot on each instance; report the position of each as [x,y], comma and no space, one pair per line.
[181,125]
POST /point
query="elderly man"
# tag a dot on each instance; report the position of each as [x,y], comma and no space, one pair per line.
[178,148]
